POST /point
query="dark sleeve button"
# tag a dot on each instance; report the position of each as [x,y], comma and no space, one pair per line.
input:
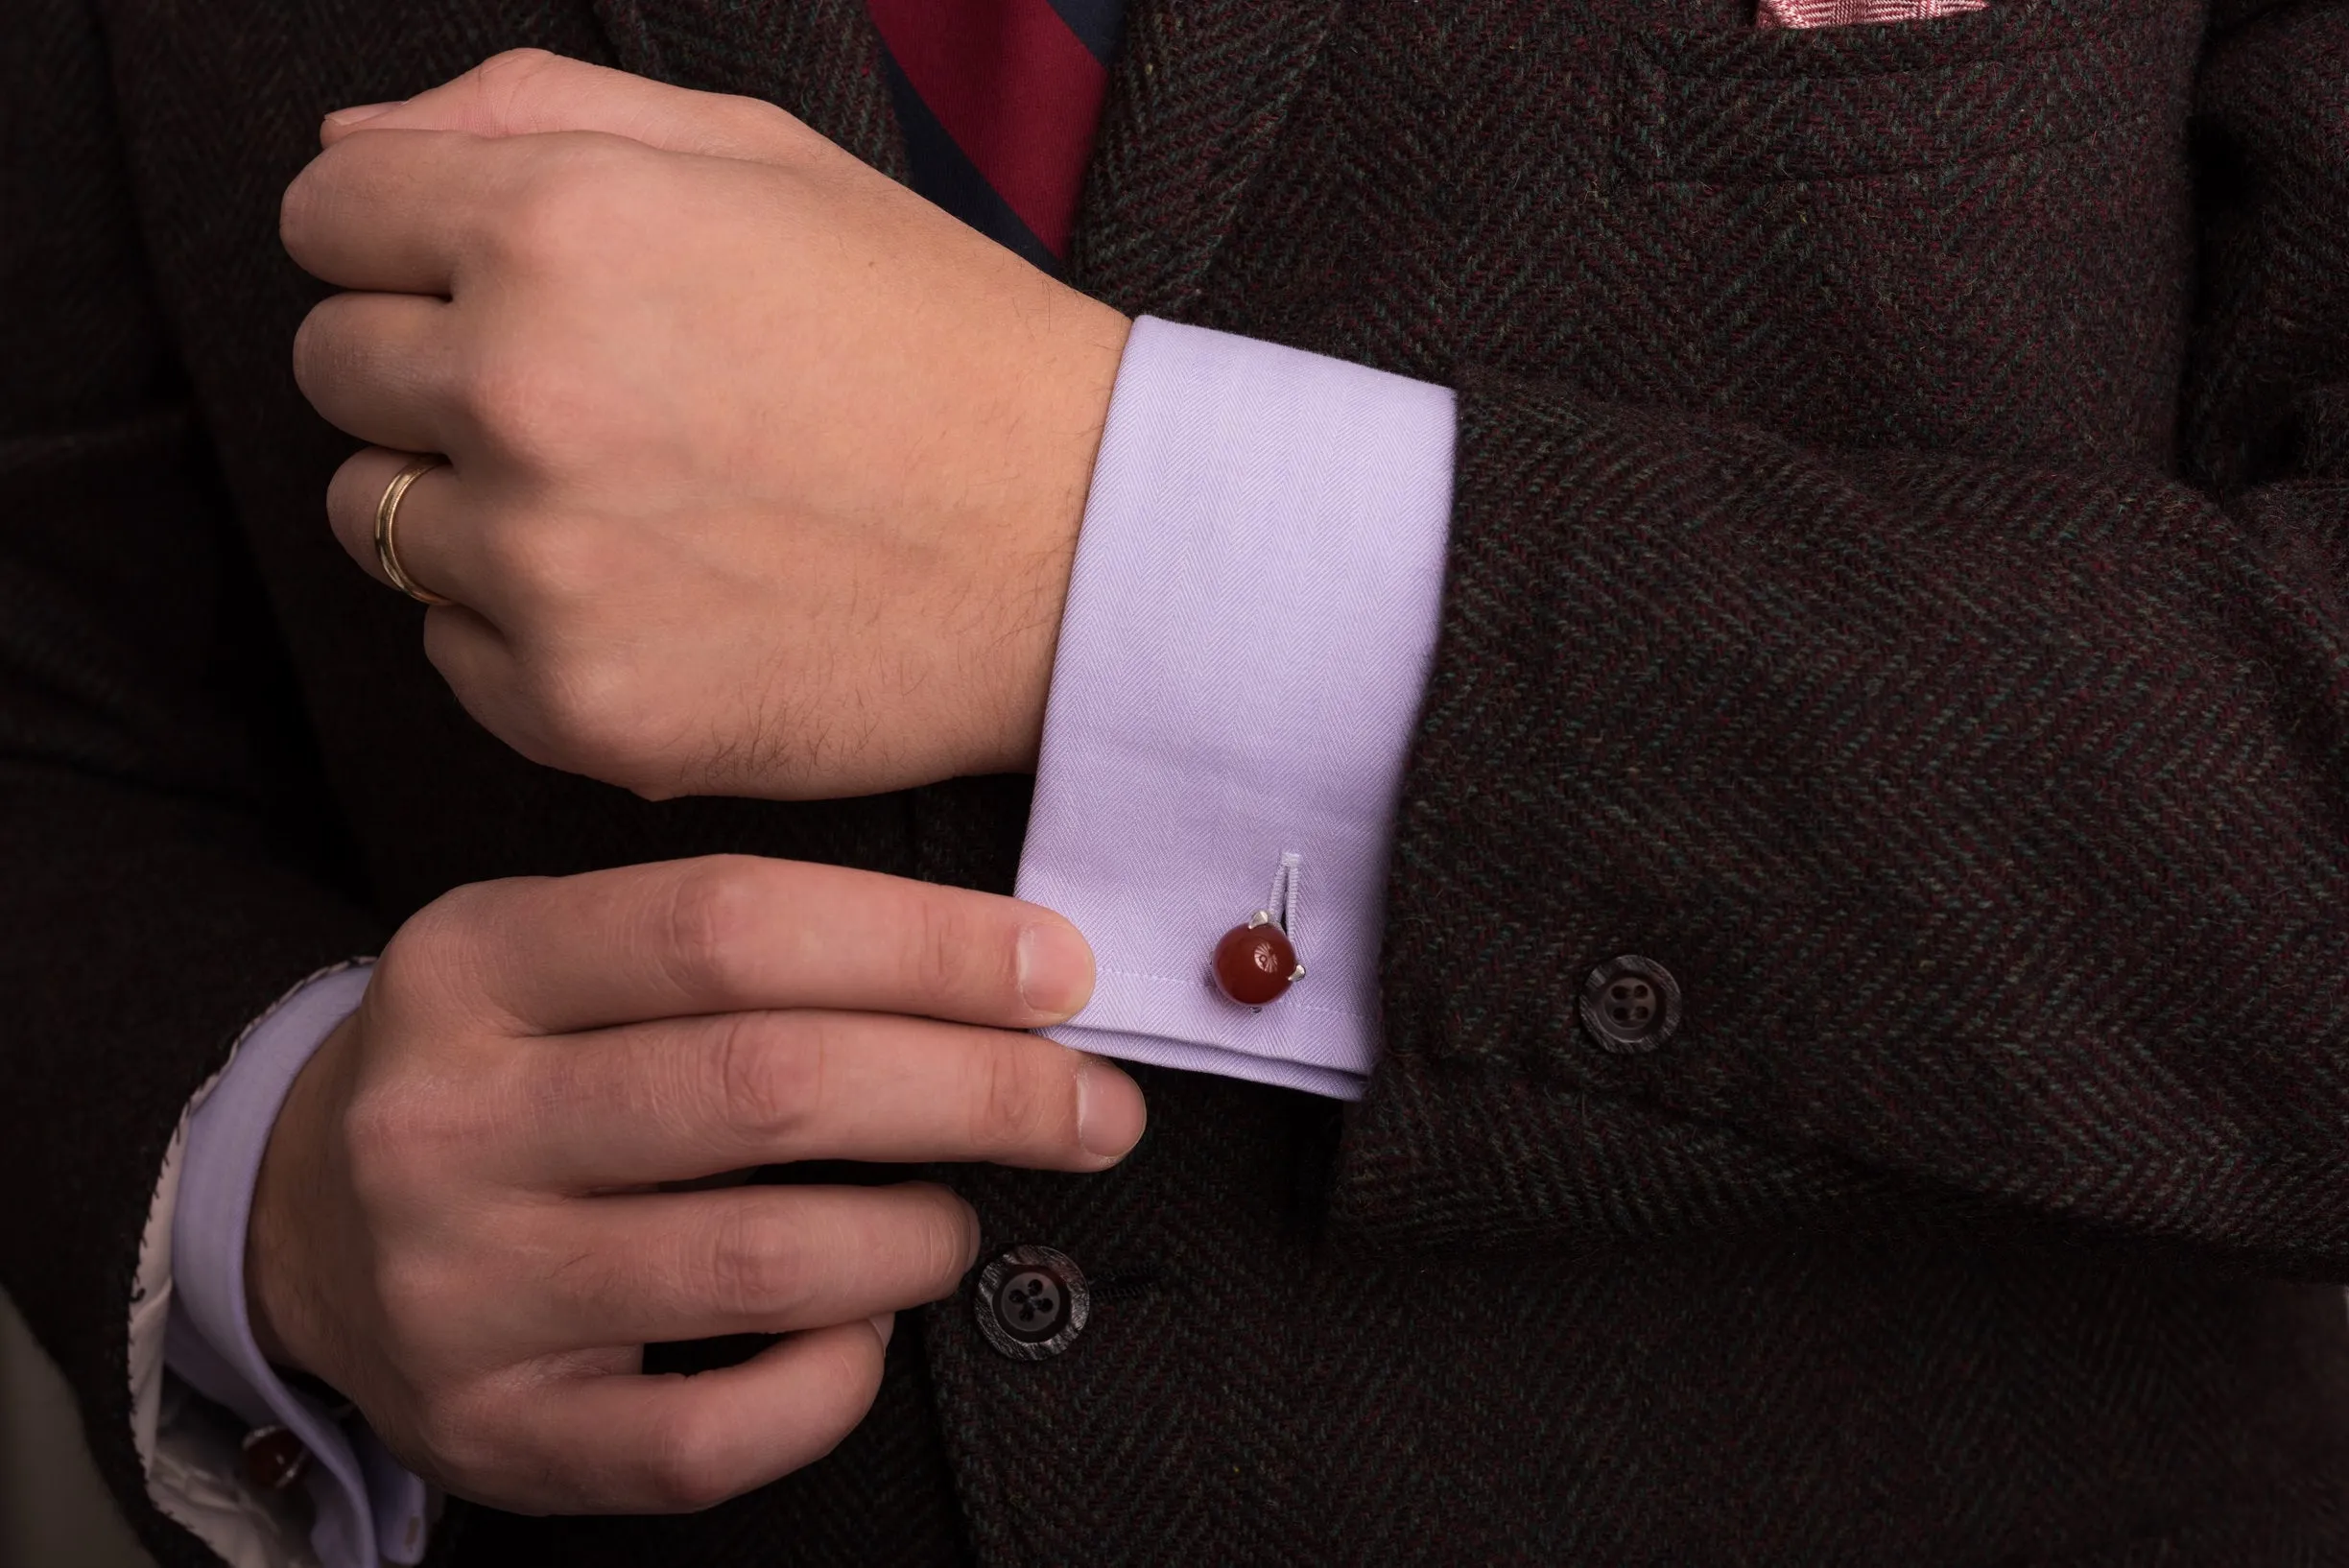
[1630,1003]
[1032,1302]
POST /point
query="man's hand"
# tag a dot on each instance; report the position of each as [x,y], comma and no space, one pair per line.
[458,1221]
[766,474]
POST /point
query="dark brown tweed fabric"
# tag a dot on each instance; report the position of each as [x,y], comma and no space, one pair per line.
[1897,582]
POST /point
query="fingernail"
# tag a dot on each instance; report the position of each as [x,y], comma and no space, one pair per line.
[1109,1110]
[885,1324]
[1056,968]
[343,117]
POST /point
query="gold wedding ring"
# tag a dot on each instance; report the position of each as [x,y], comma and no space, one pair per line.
[387,521]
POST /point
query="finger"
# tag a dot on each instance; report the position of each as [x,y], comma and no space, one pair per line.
[380,366]
[428,512]
[400,214]
[736,933]
[653,1268]
[636,1444]
[674,1101]
[526,91]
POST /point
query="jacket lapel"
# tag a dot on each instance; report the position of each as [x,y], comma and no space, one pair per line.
[1197,99]
[819,58]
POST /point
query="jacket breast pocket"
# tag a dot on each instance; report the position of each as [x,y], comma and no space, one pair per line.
[1746,107]
[1973,234]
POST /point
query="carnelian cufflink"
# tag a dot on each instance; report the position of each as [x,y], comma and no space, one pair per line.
[1256,962]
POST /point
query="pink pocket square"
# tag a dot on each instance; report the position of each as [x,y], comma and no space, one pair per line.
[1856,12]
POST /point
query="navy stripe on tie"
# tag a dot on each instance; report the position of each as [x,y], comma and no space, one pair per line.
[1097,24]
[944,174]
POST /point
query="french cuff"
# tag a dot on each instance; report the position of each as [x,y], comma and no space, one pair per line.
[198,1379]
[1249,625]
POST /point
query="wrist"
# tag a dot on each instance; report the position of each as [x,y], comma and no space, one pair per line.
[1072,413]
[280,1291]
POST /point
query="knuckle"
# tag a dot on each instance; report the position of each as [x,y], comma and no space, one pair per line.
[432,958]
[757,115]
[575,191]
[442,929]
[754,1265]
[754,122]
[515,70]
[767,1077]
[518,403]
[457,1443]
[419,1296]
[488,382]
[583,714]
[543,221]
[379,1127]
[410,969]
[416,952]
[399,1143]
[710,920]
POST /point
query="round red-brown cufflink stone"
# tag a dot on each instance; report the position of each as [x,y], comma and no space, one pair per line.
[275,1459]
[1256,962]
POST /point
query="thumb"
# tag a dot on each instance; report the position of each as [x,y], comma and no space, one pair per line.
[525,91]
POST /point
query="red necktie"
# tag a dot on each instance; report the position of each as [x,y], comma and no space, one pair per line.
[999,100]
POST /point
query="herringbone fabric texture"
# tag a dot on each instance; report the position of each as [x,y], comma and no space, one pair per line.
[1896,580]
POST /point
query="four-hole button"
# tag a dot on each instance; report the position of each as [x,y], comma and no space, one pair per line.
[1630,1003]
[1032,1302]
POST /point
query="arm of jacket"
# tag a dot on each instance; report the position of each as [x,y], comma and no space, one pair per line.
[1994,818]
[168,859]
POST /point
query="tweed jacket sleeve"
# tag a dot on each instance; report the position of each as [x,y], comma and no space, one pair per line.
[1992,811]
[167,872]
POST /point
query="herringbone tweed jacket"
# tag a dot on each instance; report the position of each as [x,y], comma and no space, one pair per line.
[1897,580]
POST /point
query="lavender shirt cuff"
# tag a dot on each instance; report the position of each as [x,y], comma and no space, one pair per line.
[367,1507]
[1249,626]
